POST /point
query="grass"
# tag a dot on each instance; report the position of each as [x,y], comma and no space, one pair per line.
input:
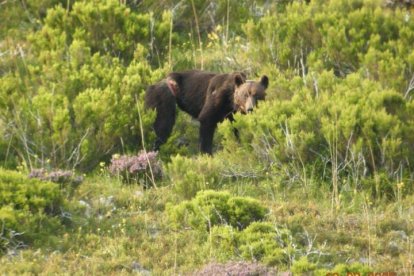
[122,229]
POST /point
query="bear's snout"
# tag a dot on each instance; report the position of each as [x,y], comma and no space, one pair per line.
[250,104]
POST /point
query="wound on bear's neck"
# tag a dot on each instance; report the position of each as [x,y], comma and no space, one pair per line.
[172,85]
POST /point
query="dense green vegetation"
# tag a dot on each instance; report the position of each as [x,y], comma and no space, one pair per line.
[320,181]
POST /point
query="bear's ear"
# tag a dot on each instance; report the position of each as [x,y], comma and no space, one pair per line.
[243,75]
[264,81]
[238,79]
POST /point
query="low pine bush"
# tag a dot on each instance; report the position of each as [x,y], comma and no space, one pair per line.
[191,175]
[28,210]
[67,180]
[210,208]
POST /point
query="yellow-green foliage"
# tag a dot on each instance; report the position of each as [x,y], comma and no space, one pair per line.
[350,127]
[32,195]
[263,241]
[260,241]
[302,266]
[27,209]
[190,175]
[79,94]
[210,208]
[344,269]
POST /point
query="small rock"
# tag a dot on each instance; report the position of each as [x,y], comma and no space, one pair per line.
[136,267]
[138,194]
[88,208]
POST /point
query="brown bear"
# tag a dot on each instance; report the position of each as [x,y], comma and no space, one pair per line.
[208,97]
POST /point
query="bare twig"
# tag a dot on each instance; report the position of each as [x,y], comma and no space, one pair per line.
[143,143]
[76,152]
[227,21]
[200,43]
[315,86]
[410,87]
[170,42]
[302,64]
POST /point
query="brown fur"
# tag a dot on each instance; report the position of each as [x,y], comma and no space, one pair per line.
[247,95]
[206,96]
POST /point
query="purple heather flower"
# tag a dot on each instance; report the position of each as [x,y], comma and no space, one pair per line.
[135,165]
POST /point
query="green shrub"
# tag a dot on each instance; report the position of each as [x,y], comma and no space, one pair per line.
[244,210]
[7,159]
[210,208]
[78,97]
[302,265]
[352,129]
[68,181]
[260,241]
[305,37]
[27,210]
[344,269]
[28,194]
[223,242]
[267,243]
[190,175]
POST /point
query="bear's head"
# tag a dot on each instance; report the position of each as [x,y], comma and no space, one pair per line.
[247,94]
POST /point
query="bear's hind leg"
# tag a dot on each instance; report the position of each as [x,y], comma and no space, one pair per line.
[164,104]
[164,123]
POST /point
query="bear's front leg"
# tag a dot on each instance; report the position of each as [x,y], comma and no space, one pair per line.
[207,130]
[235,130]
